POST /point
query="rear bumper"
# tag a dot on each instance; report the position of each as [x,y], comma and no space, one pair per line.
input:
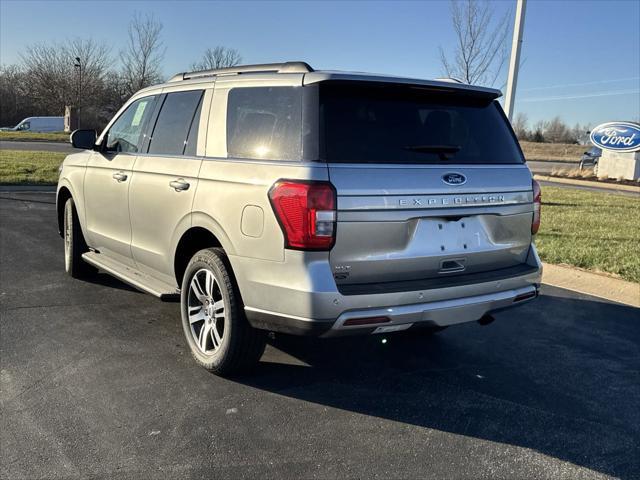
[436,314]
[279,300]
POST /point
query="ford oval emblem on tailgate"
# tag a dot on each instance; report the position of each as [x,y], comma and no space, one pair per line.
[454,179]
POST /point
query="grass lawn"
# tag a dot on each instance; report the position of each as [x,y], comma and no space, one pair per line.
[23,167]
[553,151]
[591,230]
[34,137]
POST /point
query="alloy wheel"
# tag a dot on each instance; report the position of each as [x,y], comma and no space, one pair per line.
[206,310]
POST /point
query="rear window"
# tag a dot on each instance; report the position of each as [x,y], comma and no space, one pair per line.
[265,123]
[398,124]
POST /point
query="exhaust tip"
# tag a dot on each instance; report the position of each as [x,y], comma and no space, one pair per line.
[486,319]
[526,296]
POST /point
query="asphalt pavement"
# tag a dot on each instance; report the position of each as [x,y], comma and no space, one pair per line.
[97,382]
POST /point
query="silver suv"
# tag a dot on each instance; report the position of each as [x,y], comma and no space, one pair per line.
[279,198]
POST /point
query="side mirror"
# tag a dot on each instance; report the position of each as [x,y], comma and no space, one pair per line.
[84,139]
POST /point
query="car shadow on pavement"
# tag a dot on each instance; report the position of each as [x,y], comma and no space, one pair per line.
[558,375]
[105,280]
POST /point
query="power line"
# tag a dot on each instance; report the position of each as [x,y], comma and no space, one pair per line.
[586,95]
[597,82]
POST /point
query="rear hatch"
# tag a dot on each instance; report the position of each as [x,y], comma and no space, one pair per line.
[430,183]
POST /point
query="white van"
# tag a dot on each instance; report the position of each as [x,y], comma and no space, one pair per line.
[39,124]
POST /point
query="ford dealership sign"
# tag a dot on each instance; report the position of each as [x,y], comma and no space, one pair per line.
[617,136]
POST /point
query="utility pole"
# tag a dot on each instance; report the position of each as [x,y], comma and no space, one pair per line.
[78,66]
[514,61]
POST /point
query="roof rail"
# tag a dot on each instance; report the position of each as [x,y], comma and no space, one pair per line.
[286,67]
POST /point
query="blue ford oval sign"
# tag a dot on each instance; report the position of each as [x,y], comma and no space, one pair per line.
[618,136]
[454,179]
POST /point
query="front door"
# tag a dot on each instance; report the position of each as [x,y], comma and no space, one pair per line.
[108,179]
[164,182]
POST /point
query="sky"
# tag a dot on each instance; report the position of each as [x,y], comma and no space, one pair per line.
[580,59]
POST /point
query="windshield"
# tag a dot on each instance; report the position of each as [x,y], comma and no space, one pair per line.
[400,124]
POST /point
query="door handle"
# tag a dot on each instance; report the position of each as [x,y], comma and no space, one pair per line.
[179,185]
[120,176]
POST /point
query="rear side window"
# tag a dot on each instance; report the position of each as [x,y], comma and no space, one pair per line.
[171,134]
[265,123]
[399,124]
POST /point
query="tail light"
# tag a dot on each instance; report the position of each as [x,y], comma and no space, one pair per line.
[537,203]
[306,211]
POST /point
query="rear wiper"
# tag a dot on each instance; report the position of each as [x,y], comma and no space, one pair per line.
[433,148]
[444,151]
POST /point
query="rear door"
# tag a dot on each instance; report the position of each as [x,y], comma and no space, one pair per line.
[430,184]
[165,180]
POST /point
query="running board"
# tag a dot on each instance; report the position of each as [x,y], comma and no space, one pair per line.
[135,278]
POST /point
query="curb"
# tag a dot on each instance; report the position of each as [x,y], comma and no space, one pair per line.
[587,183]
[594,284]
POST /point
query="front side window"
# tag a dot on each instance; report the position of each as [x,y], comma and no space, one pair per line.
[126,132]
[265,123]
[24,126]
[179,114]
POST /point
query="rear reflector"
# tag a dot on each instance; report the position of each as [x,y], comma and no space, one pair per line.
[366,321]
[537,205]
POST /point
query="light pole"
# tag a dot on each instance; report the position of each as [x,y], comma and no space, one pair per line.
[78,66]
[514,61]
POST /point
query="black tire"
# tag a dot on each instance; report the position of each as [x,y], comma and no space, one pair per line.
[74,244]
[241,345]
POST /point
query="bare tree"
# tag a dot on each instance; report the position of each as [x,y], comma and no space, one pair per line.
[51,79]
[218,57]
[115,94]
[14,99]
[579,133]
[520,126]
[480,52]
[537,132]
[143,55]
[557,131]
